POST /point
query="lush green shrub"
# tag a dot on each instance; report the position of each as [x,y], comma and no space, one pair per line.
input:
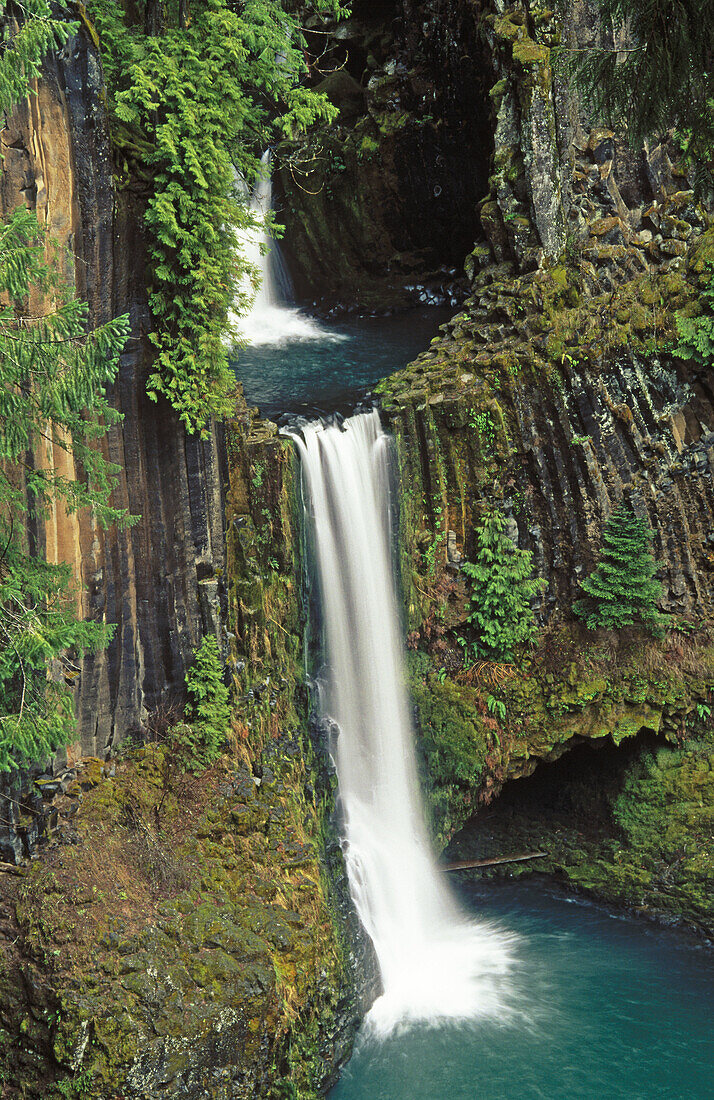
[623,590]
[208,708]
[502,588]
[201,96]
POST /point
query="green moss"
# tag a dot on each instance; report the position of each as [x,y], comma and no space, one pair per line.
[528,52]
[506,29]
[190,927]
[454,744]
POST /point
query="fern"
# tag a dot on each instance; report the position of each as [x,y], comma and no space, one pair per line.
[696,334]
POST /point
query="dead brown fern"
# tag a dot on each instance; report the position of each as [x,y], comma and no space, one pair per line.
[491,674]
[151,852]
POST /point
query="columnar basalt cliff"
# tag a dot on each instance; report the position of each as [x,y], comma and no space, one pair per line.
[160,581]
[192,933]
[553,395]
[220,967]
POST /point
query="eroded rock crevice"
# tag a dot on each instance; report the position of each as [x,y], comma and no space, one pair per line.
[381,211]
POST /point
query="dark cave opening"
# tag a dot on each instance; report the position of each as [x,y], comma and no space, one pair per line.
[583,780]
[572,797]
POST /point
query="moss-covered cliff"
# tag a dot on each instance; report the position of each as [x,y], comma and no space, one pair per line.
[553,395]
[180,932]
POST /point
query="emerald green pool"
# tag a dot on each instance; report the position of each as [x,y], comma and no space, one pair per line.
[608,1008]
[334,370]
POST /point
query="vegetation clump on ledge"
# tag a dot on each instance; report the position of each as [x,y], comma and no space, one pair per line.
[193,100]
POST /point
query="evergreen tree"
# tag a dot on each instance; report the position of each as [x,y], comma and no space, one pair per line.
[27,33]
[208,707]
[502,587]
[52,378]
[663,78]
[623,589]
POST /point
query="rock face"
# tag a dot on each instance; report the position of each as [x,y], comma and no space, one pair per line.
[382,209]
[158,581]
[179,935]
[542,398]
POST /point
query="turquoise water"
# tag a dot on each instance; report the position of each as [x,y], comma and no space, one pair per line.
[610,1008]
[313,377]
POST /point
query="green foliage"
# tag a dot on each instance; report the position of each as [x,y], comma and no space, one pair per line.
[80,1084]
[661,78]
[190,105]
[52,379]
[502,587]
[696,334]
[496,707]
[483,423]
[623,589]
[28,33]
[208,708]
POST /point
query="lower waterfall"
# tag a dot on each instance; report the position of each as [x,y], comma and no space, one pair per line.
[435,963]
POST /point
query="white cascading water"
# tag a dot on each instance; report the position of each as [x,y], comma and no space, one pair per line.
[269,321]
[436,964]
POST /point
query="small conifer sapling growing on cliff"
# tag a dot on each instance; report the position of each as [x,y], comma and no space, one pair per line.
[208,708]
[623,589]
[502,587]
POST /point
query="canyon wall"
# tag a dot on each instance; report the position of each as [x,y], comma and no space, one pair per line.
[159,581]
[553,394]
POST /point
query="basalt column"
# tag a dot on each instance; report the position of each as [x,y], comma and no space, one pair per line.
[159,580]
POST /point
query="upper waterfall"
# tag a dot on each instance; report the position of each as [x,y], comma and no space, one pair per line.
[435,964]
[270,320]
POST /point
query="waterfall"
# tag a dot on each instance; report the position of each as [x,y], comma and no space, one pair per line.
[435,963]
[269,320]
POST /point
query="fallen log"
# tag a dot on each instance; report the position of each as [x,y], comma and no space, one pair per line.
[467,864]
[10,869]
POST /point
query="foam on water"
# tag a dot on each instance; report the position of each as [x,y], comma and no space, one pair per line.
[436,963]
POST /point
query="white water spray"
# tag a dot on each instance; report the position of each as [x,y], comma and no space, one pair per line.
[435,963]
[269,320]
